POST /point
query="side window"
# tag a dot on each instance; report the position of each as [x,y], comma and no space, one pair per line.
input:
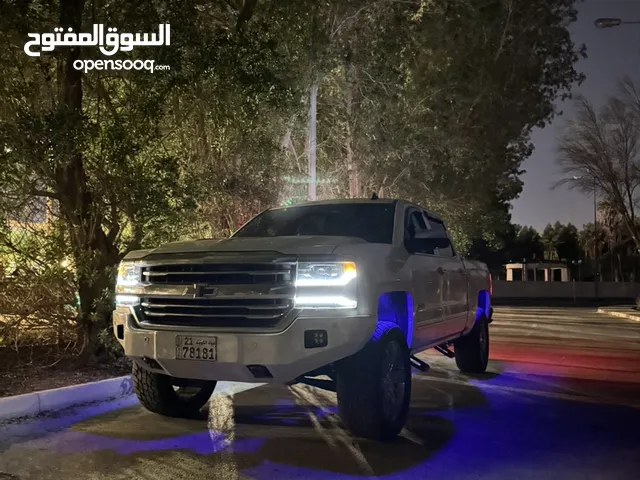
[415,228]
[439,232]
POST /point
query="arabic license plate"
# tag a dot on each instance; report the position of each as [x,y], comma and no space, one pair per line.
[196,348]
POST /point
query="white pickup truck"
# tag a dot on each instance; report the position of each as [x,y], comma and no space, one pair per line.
[352,289]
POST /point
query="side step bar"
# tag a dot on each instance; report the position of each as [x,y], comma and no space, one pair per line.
[419,364]
[444,350]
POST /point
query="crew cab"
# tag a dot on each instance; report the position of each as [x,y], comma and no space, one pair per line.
[353,289]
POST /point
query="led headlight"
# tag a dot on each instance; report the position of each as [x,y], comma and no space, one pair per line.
[321,274]
[324,302]
[127,284]
[128,274]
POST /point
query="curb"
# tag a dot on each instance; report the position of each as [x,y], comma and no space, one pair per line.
[614,313]
[32,404]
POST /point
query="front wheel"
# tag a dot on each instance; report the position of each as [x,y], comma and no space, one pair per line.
[374,386]
[167,396]
[472,350]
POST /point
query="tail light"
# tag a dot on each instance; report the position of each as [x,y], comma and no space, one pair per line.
[490,284]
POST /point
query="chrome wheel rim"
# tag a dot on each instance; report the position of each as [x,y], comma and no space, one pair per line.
[394,380]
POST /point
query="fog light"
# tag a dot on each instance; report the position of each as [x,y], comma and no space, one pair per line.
[315,338]
[127,300]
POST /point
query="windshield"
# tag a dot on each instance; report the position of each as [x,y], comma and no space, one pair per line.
[372,222]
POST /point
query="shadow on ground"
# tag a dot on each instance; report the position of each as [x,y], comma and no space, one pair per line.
[296,426]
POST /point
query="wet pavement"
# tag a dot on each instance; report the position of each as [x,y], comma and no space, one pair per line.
[550,408]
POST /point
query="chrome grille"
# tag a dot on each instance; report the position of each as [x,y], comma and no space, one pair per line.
[222,312]
[276,274]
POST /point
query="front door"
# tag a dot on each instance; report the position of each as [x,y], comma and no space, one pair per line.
[455,301]
[428,280]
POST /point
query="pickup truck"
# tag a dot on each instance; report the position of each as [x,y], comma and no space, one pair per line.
[352,289]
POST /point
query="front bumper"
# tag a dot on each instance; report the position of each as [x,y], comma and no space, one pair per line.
[283,353]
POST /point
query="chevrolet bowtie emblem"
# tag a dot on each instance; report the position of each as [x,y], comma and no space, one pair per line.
[204,291]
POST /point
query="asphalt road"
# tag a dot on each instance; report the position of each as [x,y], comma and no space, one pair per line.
[561,401]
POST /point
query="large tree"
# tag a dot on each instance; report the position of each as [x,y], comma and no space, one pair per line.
[104,146]
[600,150]
[435,101]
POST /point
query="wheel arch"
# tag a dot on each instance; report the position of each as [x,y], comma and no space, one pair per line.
[396,307]
[483,305]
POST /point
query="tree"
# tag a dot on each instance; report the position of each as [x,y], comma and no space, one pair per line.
[528,246]
[550,241]
[600,150]
[104,146]
[568,244]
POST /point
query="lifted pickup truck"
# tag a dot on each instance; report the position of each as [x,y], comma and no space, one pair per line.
[352,289]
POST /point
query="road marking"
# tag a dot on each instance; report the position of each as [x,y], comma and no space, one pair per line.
[539,393]
[617,314]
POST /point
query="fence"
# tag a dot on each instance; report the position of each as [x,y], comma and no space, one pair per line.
[577,291]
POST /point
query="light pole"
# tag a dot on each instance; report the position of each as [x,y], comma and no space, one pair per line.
[596,238]
[311,142]
[597,234]
[613,22]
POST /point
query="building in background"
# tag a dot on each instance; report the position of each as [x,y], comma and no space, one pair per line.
[537,272]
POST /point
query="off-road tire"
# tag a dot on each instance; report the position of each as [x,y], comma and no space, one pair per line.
[157,394]
[471,356]
[360,387]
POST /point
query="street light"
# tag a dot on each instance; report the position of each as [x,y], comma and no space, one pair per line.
[578,263]
[612,22]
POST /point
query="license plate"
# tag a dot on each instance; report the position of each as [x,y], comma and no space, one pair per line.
[196,348]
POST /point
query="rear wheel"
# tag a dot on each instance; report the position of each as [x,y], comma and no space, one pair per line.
[374,386]
[170,397]
[472,350]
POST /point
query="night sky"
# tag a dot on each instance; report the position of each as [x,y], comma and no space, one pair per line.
[612,53]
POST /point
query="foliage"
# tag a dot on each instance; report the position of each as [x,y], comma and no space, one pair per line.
[561,242]
[445,123]
[108,147]
[37,294]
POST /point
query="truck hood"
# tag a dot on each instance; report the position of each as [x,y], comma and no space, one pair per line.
[294,245]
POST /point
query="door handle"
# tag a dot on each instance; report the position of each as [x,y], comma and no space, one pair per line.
[440,270]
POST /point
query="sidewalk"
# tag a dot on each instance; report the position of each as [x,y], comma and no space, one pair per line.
[623,311]
[36,403]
